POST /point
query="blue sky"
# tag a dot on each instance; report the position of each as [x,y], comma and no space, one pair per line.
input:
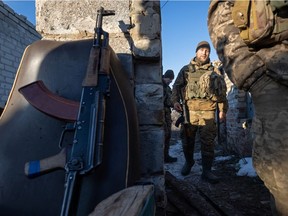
[25,8]
[184,24]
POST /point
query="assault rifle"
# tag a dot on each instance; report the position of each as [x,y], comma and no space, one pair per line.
[87,149]
[184,117]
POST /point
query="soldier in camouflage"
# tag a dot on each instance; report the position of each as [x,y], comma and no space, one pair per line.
[166,80]
[264,73]
[202,105]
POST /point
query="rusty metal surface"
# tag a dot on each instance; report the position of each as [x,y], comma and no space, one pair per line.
[28,134]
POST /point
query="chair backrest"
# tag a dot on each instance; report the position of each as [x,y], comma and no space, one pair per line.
[28,134]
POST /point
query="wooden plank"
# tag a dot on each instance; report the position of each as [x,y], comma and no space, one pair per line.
[130,201]
[192,195]
[225,208]
[181,205]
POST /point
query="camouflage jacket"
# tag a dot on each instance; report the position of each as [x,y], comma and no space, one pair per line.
[243,65]
[185,88]
[167,92]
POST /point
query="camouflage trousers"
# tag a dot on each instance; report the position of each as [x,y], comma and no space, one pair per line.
[204,123]
[270,127]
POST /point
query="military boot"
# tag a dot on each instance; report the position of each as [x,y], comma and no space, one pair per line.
[167,157]
[207,174]
[188,150]
[187,167]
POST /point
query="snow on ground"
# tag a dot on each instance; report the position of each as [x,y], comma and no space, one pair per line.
[175,168]
[244,166]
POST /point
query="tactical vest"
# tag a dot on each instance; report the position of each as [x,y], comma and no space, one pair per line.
[204,83]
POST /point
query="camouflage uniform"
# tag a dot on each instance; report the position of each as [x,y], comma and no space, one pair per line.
[264,73]
[201,113]
[167,115]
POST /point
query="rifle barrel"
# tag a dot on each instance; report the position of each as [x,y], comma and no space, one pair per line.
[68,195]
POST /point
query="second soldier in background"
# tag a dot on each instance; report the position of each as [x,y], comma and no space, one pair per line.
[167,79]
[201,90]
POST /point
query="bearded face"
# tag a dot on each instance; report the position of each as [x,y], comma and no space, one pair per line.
[202,54]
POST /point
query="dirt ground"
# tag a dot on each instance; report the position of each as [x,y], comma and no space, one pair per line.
[233,195]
